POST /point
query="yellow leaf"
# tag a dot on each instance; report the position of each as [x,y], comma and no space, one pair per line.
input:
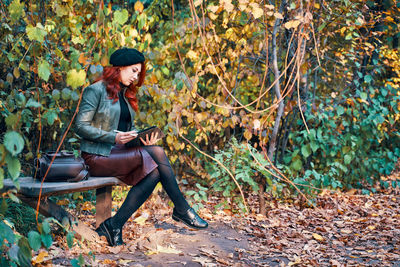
[297,260]
[212,16]
[247,134]
[228,5]
[278,15]
[257,11]
[87,206]
[63,202]
[197,3]
[139,6]
[192,55]
[316,5]
[318,237]
[40,258]
[292,24]
[213,9]
[243,4]
[141,220]
[133,33]
[109,262]
[161,249]
[168,250]
[371,227]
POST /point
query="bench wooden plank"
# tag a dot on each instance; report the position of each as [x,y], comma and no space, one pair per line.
[30,187]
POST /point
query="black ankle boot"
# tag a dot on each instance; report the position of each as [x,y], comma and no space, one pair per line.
[190,218]
[114,236]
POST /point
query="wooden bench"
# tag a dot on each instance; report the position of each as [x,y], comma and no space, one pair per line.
[30,189]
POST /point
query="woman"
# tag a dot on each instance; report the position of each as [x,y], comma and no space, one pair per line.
[105,124]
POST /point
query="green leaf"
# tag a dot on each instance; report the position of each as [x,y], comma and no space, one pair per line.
[13,253]
[11,120]
[14,142]
[74,96]
[6,233]
[367,78]
[75,263]
[340,110]
[165,70]
[66,93]
[363,95]
[81,260]
[322,26]
[1,179]
[24,253]
[34,240]
[16,9]
[44,70]
[76,78]
[297,165]
[306,151]
[56,94]
[14,198]
[347,159]
[121,16]
[46,227]
[51,116]
[70,239]
[36,33]
[142,20]
[314,146]
[33,103]
[47,240]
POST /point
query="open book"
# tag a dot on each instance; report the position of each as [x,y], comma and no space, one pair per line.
[142,134]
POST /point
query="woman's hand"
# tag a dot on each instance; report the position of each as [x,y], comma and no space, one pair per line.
[125,137]
[152,141]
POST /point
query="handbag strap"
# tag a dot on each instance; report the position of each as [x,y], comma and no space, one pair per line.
[81,176]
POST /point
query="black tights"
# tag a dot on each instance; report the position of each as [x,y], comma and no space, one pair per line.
[140,192]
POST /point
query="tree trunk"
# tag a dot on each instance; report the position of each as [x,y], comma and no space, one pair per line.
[277,88]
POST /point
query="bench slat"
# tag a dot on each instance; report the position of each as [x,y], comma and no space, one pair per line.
[31,187]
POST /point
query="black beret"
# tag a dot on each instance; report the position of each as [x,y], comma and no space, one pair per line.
[126,57]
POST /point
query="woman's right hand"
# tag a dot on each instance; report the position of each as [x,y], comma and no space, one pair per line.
[125,137]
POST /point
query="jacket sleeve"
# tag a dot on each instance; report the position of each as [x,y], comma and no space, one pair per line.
[83,124]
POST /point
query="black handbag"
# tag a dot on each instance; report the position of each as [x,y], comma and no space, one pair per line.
[65,167]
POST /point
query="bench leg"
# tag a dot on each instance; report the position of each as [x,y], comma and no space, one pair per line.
[50,209]
[103,204]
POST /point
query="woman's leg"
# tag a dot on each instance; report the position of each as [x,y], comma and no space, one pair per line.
[167,178]
[136,197]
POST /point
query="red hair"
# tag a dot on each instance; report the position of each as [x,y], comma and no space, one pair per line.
[111,76]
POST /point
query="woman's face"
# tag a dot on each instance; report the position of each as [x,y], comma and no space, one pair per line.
[130,74]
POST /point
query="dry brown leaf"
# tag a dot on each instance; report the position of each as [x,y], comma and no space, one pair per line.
[318,237]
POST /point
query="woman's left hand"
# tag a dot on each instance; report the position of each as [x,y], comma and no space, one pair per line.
[153,139]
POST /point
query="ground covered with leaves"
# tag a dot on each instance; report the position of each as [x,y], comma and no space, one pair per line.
[344,229]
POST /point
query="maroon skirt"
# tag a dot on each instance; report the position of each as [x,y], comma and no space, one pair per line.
[130,165]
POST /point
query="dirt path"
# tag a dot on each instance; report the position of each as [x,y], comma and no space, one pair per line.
[343,230]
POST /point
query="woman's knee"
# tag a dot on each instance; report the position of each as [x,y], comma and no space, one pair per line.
[155,151]
[154,176]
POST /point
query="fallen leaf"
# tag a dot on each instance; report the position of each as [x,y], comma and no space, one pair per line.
[318,237]
[116,249]
[162,249]
[39,258]
[345,231]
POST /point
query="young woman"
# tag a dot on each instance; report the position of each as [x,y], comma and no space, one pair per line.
[105,124]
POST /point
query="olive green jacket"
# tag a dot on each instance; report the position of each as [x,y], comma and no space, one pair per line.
[97,118]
